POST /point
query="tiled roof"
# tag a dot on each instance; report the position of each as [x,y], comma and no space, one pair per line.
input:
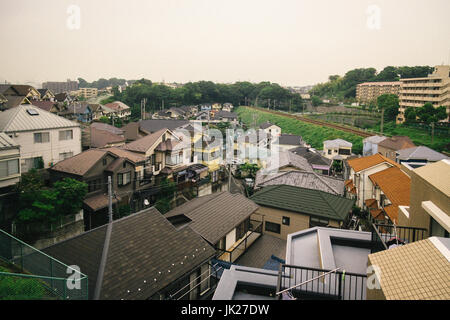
[289,159]
[117,106]
[101,138]
[19,119]
[45,105]
[306,201]
[313,158]
[416,271]
[131,156]
[146,254]
[215,215]
[290,139]
[154,125]
[81,163]
[266,125]
[337,143]
[363,163]
[396,185]
[99,201]
[145,143]
[106,127]
[309,180]
[419,153]
[397,143]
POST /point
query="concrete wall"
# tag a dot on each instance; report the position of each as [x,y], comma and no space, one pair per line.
[421,191]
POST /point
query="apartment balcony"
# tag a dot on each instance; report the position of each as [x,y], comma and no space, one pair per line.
[295,282]
[385,236]
[241,246]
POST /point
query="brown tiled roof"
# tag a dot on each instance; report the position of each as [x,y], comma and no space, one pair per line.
[99,201]
[45,105]
[397,143]
[81,163]
[133,157]
[377,214]
[101,138]
[107,127]
[146,254]
[416,271]
[167,145]
[363,163]
[214,216]
[145,143]
[371,203]
[396,185]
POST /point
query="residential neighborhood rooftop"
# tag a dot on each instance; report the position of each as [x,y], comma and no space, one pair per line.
[362,163]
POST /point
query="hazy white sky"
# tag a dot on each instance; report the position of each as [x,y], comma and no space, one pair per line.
[292,42]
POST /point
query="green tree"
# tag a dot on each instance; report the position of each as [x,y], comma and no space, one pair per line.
[316,101]
[390,104]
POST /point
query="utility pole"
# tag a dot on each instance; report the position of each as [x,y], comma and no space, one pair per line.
[432,132]
[229,177]
[382,120]
[110,212]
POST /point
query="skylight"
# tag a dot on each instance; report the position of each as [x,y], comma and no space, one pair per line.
[33,112]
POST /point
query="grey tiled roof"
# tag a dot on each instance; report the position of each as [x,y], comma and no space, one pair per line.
[146,253]
[419,153]
[309,180]
[215,215]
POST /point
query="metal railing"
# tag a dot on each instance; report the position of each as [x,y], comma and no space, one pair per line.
[384,235]
[63,281]
[232,255]
[313,283]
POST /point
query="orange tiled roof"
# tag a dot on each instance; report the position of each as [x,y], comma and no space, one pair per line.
[396,185]
[371,203]
[363,163]
[377,214]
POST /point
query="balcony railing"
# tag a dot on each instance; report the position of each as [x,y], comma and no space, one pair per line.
[232,254]
[295,282]
[384,236]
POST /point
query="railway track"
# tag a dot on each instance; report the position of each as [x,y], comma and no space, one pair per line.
[360,133]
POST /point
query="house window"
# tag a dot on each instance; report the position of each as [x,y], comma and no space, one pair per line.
[205,279]
[273,227]
[286,221]
[65,155]
[105,162]
[9,168]
[94,185]
[66,135]
[344,151]
[42,137]
[32,163]
[241,229]
[329,151]
[123,178]
[317,222]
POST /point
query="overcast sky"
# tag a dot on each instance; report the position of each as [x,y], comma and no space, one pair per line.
[292,42]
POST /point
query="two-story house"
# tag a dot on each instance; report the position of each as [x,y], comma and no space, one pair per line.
[93,167]
[337,149]
[44,137]
[9,162]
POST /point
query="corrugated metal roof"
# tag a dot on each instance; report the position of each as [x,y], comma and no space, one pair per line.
[19,119]
[6,142]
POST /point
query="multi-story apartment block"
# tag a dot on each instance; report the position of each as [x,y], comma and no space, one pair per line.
[87,92]
[435,88]
[59,87]
[369,91]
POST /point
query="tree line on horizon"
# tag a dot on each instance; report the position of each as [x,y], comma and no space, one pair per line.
[344,88]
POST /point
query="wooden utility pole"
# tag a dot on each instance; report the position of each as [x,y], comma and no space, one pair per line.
[110,212]
[432,132]
[382,121]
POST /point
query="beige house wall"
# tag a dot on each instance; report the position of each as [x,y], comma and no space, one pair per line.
[421,191]
[298,221]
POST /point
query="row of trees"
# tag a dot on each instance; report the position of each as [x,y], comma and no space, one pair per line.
[343,88]
[263,94]
[102,83]
[426,114]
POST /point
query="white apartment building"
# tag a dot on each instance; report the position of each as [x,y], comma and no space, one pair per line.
[44,138]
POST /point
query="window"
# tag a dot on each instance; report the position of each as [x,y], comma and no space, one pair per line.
[205,279]
[286,221]
[105,162]
[9,168]
[65,155]
[66,135]
[344,151]
[123,178]
[94,185]
[273,227]
[32,163]
[329,151]
[317,222]
[241,229]
[42,137]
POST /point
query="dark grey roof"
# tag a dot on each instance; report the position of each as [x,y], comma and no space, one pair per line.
[290,139]
[225,114]
[313,158]
[266,125]
[153,125]
[214,216]
[146,253]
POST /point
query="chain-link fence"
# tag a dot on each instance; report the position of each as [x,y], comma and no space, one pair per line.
[35,275]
